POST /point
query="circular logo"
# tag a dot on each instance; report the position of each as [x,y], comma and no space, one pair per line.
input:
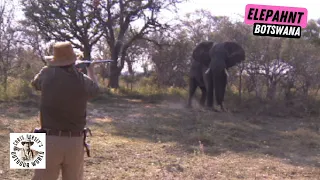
[28,150]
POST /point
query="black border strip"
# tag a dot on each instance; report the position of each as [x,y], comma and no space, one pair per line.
[275,35]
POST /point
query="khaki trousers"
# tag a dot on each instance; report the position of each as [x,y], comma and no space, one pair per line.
[65,154]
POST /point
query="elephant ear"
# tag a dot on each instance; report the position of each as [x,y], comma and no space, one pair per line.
[236,54]
[201,52]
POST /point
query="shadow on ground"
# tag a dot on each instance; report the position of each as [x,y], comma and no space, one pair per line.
[295,141]
[133,139]
[19,110]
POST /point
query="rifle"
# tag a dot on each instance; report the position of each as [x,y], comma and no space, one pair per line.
[82,64]
[86,63]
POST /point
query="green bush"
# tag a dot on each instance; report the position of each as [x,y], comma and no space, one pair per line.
[3,95]
[16,89]
[149,91]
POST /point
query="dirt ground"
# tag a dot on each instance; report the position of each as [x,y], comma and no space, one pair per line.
[137,140]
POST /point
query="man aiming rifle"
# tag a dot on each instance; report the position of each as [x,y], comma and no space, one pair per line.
[64,95]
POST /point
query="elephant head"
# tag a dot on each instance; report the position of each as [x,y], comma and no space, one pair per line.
[223,56]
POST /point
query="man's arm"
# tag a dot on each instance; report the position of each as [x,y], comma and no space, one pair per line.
[91,74]
[91,82]
[38,78]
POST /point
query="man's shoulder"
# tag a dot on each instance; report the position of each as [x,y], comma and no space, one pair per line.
[45,69]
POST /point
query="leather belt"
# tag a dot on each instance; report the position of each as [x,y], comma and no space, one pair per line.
[51,132]
[83,133]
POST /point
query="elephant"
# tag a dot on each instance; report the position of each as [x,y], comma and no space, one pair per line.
[209,70]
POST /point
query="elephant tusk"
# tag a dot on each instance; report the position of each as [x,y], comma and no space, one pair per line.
[226,71]
[207,71]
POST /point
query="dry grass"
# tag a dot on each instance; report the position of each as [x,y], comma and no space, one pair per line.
[136,140]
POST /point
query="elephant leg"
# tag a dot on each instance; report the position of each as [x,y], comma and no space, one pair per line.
[210,89]
[221,84]
[203,95]
[192,89]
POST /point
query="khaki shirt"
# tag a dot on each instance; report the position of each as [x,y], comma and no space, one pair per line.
[64,96]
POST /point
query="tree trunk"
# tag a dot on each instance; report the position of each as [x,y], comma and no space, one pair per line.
[240,87]
[86,56]
[271,90]
[287,94]
[115,71]
[5,81]
[306,88]
[130,68]
[114,81]
[257,88]
[317,91]
[114,76]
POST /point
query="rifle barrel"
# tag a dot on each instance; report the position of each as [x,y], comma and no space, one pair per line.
[95,61]
[83,62]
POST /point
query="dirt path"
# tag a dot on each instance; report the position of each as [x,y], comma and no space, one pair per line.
[136,140]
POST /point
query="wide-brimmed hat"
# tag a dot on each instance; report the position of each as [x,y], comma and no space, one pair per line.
[27,142]
[63,55]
